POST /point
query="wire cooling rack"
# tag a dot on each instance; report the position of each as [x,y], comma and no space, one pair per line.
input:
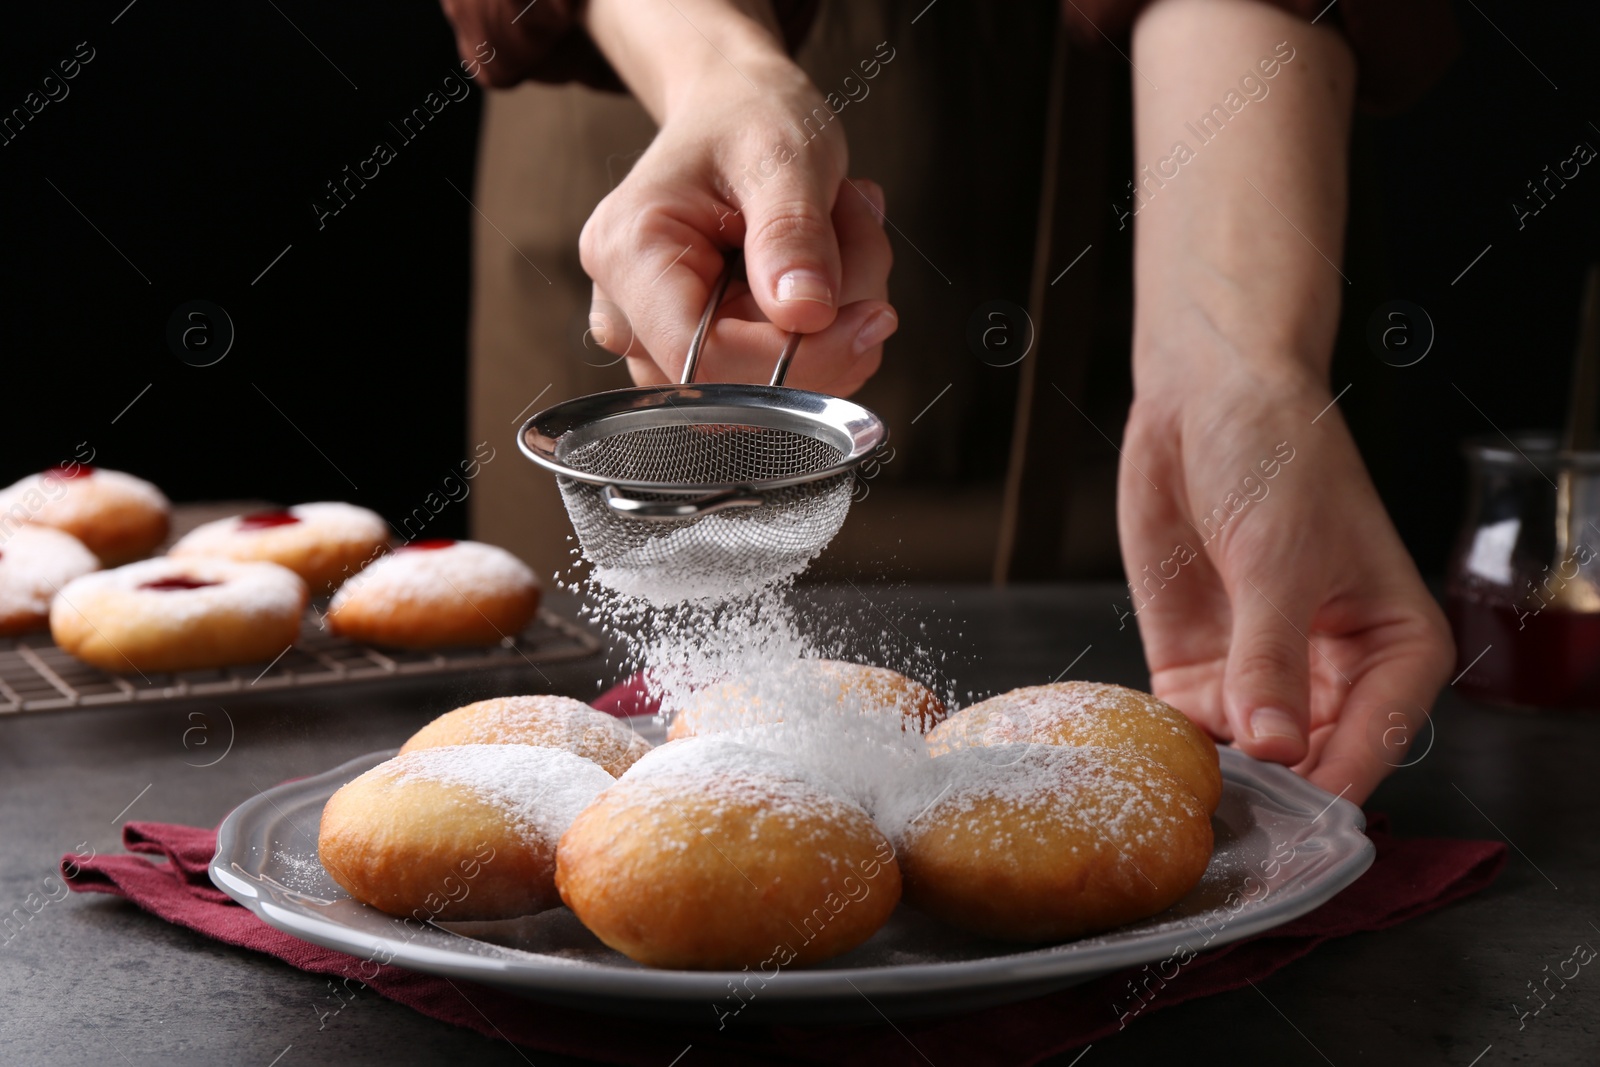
[35,675]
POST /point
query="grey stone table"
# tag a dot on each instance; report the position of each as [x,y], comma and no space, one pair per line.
[95,980]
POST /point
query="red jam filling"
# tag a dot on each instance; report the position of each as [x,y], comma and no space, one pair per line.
[262,520]
[427,546]
[74,470]
[167,585]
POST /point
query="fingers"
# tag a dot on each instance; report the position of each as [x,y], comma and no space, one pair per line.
[664,268]
[791,251]
[738,350]
[609,328]
[1267,683]
[1386,712]
[1174,594]
[863,246]
[742,345]
[840,358]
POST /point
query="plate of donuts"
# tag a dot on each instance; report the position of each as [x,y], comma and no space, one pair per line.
[866,853]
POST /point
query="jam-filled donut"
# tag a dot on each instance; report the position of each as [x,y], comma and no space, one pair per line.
[117,517]
[820,686]
[177,615]
[548,721]
[430,594]
[323,543]
[464,832]
[1049,843]
[36,562]
[1091,713]
[709,854]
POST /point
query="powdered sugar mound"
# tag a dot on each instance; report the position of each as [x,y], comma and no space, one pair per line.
[429,575]
[36,562]
[720,767]
[262,590]
[776,690]
[51,499]
[1115,794]
[806,711]
[870,758]
[325,520]
[563,715]
[545,721]
[1037,706]
[540,791]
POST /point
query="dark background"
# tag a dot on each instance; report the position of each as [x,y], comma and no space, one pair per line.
[197,140]
[199,136]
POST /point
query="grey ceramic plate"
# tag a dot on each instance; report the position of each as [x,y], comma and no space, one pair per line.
[1283,847]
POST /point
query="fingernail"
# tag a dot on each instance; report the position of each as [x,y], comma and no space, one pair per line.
[804,285]
[1270,722]
[876,330]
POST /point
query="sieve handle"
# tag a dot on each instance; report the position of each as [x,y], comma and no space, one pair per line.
[686,508]
[697,343]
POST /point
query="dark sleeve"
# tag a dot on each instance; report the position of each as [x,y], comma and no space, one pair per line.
[512,41]
[1402,48]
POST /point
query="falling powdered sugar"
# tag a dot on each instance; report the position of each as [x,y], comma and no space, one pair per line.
[685,647]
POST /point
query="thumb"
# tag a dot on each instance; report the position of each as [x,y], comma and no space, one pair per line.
[792,253]
[1267,685]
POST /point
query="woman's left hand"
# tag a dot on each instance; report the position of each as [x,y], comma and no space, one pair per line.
[1277,605]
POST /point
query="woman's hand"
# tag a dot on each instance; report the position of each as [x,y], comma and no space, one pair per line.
[749,157]
[1277,606]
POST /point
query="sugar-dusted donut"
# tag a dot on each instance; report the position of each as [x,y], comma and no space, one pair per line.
[1045,842]
[323,543]
[117,517]
[176,615]
[36,562]
[464,832]
[430,594]
[815,686]
[549,721]
[1091,713]
[710,854]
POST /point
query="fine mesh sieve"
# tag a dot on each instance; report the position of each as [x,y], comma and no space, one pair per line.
[713,486]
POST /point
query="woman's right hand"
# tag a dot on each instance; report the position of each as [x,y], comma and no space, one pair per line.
[751,158]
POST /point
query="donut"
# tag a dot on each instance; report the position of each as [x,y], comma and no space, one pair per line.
[178,615]
[430,594]
[117,517]
[708,854]
[1040,843]
[35,563]
[323,543]
[1093,714]
[821,686]
[465,832]
[549,721]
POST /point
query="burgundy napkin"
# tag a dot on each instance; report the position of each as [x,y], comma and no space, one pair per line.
[1409,877]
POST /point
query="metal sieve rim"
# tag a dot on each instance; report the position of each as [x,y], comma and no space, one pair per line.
[854,430]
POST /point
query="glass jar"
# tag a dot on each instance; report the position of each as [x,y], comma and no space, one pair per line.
[1524,587]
